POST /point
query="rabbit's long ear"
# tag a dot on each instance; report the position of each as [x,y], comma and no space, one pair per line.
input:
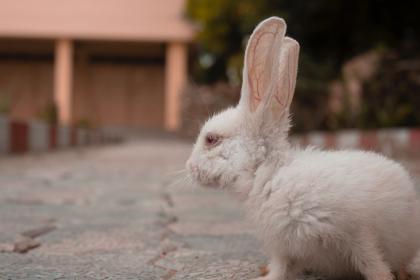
[262,57]
[286,79]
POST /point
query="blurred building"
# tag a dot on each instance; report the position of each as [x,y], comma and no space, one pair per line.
[105,63]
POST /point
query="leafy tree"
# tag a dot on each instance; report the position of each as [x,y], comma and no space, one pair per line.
[392,97]
[329,31]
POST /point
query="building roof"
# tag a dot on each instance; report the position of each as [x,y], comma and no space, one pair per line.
[134,20]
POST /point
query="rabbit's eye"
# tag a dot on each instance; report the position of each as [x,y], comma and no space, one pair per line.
[212,140]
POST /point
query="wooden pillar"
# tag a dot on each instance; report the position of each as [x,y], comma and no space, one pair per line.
[175,80]
[63,81]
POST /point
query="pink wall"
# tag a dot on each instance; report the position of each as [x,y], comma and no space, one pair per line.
[135,20]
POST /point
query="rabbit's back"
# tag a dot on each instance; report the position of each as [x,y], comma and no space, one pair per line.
[323,201]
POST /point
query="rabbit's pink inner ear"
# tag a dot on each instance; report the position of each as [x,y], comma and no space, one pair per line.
[255,95]
[260,53]
[258,70]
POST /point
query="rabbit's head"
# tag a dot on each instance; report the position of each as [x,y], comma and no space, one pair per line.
[233,143]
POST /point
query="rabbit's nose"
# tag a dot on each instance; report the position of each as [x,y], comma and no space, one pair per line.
[191,166]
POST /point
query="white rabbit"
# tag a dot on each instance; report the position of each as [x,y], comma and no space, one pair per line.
[334,213]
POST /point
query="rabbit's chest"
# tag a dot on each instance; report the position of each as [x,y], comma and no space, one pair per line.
[299,224]
[297,233]
[289,208]
[292,216]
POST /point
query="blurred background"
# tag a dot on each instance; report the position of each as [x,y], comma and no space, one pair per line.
[124,66]
[88,72]
[359,64]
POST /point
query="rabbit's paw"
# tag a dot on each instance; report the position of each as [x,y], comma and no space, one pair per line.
[264,272]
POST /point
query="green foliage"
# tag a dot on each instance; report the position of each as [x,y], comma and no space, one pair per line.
[392,97]
[224,26]
[49,114]
[4,102]
[84,123]
[330,32]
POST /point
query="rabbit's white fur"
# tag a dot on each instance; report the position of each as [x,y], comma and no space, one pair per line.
[335,213]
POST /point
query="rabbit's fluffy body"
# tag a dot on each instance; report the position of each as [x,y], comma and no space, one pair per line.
[334,213]
[319,207]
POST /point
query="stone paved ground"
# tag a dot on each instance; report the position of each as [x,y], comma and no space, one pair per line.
[117,212]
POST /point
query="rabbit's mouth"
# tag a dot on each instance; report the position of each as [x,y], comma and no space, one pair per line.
[212,182]
[209,178]
[207,181]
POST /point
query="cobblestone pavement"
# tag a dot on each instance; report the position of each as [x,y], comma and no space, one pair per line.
[118,212]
